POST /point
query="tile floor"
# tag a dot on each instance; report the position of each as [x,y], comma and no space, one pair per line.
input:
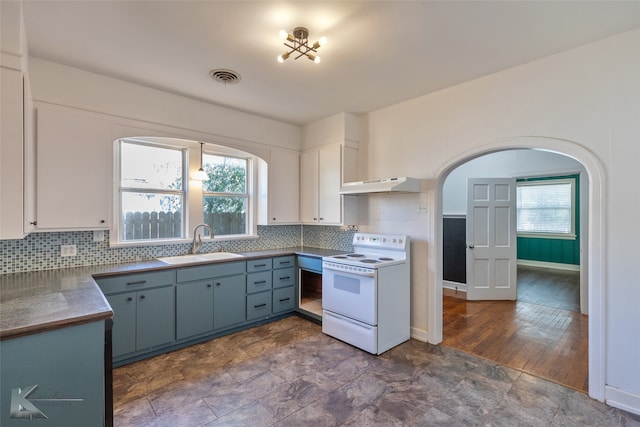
[287,373]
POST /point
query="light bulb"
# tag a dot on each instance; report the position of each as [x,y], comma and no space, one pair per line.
[322,41]
[283,34]
[200,175]
[283,57]
[316,59]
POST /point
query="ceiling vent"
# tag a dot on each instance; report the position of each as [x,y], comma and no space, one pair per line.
[226,77]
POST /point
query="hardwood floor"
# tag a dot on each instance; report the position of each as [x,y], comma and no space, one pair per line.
[543,333]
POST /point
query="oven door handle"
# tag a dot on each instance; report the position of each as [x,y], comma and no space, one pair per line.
[351,273]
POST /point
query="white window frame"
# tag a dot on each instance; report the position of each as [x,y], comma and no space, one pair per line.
[248,195]
[546,235]
[193,202]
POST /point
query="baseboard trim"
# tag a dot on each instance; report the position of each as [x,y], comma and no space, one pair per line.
[622,399]
[552,265]
[456,286]
[419,334]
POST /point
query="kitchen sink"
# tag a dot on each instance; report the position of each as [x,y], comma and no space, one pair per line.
[191,258]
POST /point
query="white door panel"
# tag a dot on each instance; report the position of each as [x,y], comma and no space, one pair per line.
[491,239]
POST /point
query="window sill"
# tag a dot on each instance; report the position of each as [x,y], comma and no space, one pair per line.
[548,236]
[165,242]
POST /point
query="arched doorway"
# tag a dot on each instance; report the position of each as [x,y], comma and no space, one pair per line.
[595,257]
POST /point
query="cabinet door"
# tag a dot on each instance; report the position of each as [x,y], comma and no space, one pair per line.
[123,335]
[155,317]
[73,170]
[229,304]
[194,308]
[283,187]
[11,154]
[329,182]
[284,299]
[309,187]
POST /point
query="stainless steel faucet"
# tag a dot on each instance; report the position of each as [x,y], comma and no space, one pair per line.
[197,238]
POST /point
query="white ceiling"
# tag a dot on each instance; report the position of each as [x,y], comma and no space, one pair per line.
[378,52]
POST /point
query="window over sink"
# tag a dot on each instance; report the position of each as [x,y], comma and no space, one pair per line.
[158,203]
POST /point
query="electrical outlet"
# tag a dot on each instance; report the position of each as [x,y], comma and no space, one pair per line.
[68,250]
[98,235]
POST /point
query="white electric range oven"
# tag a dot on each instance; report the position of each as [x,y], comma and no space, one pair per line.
[366,294]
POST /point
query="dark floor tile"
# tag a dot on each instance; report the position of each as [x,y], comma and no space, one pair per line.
[577,409]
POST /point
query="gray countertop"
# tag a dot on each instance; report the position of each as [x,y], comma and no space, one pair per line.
[39,301]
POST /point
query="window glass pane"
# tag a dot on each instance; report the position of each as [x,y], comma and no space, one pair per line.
[148,216]
[545,208]
[143,166]
[226,174]
[226,214]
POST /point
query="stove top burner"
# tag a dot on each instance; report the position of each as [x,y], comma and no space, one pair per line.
[340,257]
[370,261]
[386,259]
[355,255]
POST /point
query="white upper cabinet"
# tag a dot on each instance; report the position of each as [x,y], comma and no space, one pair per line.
[74,170]
[15,118]
[322,172]
[279,188]
[11,154]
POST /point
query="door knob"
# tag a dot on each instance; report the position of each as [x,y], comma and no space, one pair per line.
[471,246]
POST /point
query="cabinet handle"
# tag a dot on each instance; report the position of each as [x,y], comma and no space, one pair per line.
[260,265]
[217,283]
[139,282]
[285,262]
[34,223]
[208,285]
[130,299]
[274,219]
[261,282]
[321,219]
[284,299]
[141,296]
[260,305]
[102,221]
[285,278]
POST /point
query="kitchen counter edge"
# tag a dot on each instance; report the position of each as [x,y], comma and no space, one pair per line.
[40,301]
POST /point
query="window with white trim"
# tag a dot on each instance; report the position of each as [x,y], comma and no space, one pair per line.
[152,193]
[546,208]
[225,194]
[157,203]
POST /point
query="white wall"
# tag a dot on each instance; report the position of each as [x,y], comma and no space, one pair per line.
[587,98]
[503,164]
[60,84]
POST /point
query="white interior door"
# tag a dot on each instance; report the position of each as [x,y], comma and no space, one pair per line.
[491,239]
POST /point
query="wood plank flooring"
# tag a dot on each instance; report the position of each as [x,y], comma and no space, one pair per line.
[543,333]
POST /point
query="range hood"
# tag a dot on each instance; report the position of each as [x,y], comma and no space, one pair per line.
[400,184]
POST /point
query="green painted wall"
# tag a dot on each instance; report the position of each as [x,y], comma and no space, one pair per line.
[553,250]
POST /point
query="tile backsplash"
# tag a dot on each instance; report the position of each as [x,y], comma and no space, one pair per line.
[41,251]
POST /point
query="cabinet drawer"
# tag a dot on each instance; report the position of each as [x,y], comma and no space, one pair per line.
[309,263]
[210,270]
[258,305]
[284,261]
[258,265]
[284,277]
[133,282]
[283,299]
[258,282]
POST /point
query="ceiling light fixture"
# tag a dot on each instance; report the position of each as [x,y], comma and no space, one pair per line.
[299,42]
[200,174]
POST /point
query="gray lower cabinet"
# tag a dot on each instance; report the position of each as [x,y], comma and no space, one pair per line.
[270,287]
[142,319]
[228,301]
[209,298]
[194,308]
[144,310]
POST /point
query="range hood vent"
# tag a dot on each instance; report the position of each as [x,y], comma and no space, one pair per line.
[400,184]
